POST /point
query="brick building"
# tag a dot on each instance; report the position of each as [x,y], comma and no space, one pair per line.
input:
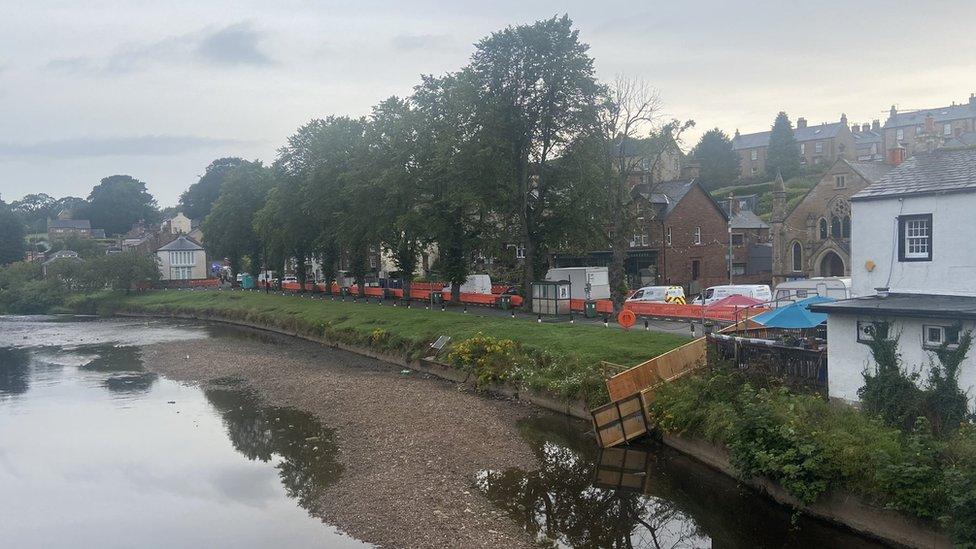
[814,237]
[819,144]
[908,128]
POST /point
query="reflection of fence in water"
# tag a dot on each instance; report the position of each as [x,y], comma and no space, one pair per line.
[622,469]
[801,367]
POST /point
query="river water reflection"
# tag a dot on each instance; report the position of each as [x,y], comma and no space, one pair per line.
[97,452]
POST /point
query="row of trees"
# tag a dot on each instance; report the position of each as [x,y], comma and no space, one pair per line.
[522,149]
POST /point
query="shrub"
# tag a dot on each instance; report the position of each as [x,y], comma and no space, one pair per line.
[490,358]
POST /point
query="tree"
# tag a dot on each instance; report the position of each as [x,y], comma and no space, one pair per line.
[536,93]
[783,155]
[13,245]
[124,271]
[198,199]
[719,164]
[118,202]
[229,229]
[87,248]
[35,210]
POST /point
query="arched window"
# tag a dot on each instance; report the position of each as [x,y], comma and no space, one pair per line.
[823,228]
[835,228]
[797,257]
[846,227]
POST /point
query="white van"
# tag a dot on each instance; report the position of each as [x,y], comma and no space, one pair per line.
[718,293]
[598,279]
[474,284]
[834,287]
[659,294]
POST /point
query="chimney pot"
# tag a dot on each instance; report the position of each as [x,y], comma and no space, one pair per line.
[875,125]
[866,128]
[855,128]
[896,155]
[801,123]
[843,118]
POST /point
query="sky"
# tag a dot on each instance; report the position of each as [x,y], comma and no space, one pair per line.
[157,90]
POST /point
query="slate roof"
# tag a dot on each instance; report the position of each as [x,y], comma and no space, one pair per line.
[942,170]
[863,140]
[871,171]
[69,224]
[668,193]
[745,219]
[964,140]
[809,133]
[181,243]
[941,114]
[910,305]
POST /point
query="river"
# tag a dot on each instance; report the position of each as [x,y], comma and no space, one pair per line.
[96,449]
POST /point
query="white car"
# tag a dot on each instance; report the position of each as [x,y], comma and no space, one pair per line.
[659,294]
[289,280]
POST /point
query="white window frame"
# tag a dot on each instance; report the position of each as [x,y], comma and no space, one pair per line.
[899,134]
[915,235]
[667,236]
[803,148]
[697,236]
[947,130]
[945,333]
[754,155]
[818,147]
[519,251]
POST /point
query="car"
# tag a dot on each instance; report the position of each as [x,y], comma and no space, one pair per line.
[718,293]
[289,279]
[659,294]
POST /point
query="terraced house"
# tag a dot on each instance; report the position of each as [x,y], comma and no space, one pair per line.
[908,128]
[819,144]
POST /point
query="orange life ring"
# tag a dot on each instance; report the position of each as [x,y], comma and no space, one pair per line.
[626,318]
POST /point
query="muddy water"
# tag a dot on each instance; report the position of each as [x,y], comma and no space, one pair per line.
[97,451]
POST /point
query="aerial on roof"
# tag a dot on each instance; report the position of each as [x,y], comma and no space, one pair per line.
[942,170]
[942,114]
[181,243]
[69,224]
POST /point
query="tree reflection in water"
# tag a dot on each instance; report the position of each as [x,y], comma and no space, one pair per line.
[124,364]
[14,371]
[559,505]
[307,450]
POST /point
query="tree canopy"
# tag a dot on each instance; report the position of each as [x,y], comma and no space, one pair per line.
[783,155]
[118,202]
[198,199]
[718,163]
[229,229]
[12,237]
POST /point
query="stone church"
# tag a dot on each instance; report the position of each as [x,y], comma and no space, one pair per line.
[814,237]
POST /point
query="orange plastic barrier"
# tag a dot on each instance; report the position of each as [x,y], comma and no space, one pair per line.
[671,310]
[374,292]
[602,305]
[206,283]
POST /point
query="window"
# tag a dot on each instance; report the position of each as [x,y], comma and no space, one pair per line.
[754,154]
[737,239]
[934,336]
[823,229]
[638,294]
[755,170]
[840,181]
[835,227]
[803,148]
[874,149]
[818,148]
[520,252]
[183,258]
[900,134]
[180,273]
[667,237]
[738,269]
[638,240]
[947,130]
[845,226]
[865,331]
[915,237]
[695,269]
[697,235]
[797,257]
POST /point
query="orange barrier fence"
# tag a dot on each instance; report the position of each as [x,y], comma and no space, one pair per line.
[602,305]
[673,310]
[371,291]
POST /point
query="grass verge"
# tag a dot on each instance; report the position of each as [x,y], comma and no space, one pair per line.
[562,359]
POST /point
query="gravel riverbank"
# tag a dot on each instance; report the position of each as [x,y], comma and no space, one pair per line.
[410,444]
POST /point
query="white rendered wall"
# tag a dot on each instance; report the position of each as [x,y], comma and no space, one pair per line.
[874,238]
[848,358]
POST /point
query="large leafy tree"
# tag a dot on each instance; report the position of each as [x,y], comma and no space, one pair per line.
[719,164]
[118,202]
[34,210]
[229,229]
[783,155]
[536,93]
[198,199]
[12,242]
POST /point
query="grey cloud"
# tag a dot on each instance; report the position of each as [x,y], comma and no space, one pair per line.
[237,44]
[146,145]
[428,42]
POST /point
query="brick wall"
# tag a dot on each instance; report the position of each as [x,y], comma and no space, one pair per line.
[696,209]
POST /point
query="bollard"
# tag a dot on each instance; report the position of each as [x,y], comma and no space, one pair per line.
[465,308]
[606,323]
[646,327]
[692,329]
[513,313]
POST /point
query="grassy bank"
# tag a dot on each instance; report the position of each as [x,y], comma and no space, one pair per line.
[562,359]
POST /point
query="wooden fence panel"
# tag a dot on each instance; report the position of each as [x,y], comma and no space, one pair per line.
[619,421]
[658,369]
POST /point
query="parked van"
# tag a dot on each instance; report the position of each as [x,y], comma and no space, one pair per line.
[598,279]
[475,284]
[834,287]
[659,294]
[717,293]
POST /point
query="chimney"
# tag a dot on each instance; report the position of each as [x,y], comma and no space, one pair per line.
[866,128]
[893,112]
[876,125]
[733,204]
[855,128]
[972,100]
[896,155]
[843,118]
[801,123]
[929,124]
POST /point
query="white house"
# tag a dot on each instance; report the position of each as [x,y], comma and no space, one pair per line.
[178,224]
[182,259]
[913,264]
